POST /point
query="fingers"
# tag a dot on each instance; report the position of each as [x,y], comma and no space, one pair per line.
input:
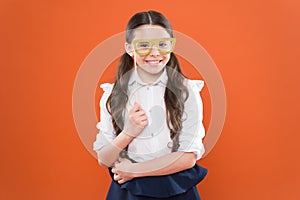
[117,177]
[121,181]
[139,119]
[136,122]
[138,115]
[113,170]
[136,107]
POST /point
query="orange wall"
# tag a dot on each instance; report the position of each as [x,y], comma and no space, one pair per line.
[255,44]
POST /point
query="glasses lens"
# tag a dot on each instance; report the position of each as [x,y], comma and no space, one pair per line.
[143,47]
[165,45]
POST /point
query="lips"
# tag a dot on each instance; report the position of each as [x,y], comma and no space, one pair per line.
[153,61]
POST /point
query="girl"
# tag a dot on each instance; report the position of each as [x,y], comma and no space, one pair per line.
[151,127]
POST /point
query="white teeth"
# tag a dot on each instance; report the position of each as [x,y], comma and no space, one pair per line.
[153,61]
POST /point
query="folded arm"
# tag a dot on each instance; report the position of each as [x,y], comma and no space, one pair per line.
[170,163]
[109,154]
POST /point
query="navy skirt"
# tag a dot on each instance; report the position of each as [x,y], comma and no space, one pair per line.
[177,186]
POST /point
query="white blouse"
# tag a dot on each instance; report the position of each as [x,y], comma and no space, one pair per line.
[154,141]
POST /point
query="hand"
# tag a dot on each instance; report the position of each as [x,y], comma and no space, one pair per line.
[137,121]
[123,170]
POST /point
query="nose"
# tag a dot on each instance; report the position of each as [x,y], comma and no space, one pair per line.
[154,51]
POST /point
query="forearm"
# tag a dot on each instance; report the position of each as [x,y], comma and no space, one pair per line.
[108,155]
[164,165]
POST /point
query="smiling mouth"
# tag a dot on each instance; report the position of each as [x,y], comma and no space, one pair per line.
[154,62]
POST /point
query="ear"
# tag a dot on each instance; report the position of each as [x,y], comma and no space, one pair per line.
[129,49]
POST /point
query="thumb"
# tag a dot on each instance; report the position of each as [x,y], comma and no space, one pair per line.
[137,106]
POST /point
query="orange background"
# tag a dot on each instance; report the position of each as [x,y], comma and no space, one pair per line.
[255,44]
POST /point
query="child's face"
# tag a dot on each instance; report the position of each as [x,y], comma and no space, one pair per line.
[154,60]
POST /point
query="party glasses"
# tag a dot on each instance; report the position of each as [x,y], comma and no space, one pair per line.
[144,46]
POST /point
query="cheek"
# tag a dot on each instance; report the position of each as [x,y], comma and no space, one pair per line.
[140,59]
[167,58]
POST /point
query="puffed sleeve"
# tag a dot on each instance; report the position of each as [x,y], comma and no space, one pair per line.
[106,132]
[192,133]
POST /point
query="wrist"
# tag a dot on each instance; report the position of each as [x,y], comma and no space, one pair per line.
[127,135]
[122,140]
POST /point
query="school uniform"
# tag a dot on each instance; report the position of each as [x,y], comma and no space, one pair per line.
[154,141]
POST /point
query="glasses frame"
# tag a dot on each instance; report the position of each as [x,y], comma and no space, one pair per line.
[152,42]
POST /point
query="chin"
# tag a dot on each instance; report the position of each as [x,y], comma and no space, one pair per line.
[154,69]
